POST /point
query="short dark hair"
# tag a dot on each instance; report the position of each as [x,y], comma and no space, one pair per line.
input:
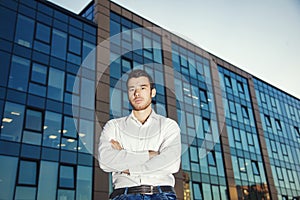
[136,73]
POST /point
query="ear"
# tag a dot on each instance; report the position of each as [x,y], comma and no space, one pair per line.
[153,92]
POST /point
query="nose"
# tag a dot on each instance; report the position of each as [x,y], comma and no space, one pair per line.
[137,93]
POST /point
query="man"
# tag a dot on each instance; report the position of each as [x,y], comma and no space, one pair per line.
[141,150]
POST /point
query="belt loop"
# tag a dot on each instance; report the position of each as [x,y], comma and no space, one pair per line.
[126,190]
[159,189]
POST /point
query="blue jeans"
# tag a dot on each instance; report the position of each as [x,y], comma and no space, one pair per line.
[159,196]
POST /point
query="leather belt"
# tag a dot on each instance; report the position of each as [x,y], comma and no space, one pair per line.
[143,189]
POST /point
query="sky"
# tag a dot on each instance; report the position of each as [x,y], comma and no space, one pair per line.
[260,37]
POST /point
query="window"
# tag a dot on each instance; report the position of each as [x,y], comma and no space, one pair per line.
[12,122]
[75,45]
[211,158]
[273,102]
[42,33]
[197,191]
[55,84]
[240,87]
[70,127]
[24,31]
[67,177]
[126,65]
[279,173]
[206,126]
[227,81]
[268,121]
[8,172]
[27,173]
[39,73]
[278,125]
[255,167]
[52,129]
[245,112]
[297,132]
[59,39]
[33,120]
[19,73]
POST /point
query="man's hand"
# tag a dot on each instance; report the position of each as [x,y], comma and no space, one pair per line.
[116,145]
[152,153]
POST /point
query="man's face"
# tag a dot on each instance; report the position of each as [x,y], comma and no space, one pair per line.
[139,93]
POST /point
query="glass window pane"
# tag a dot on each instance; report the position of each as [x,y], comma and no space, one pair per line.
[70,127]
[59,39]
[37,89]
[87,93]
[25,193]
[33,120]
[8,171]
[84,182]
[52,129]
[48,180]
[12,122]
[32,138]
[56,84]
[74,45]
[39,73]
[42,33]
[19,73]
[66,177]
[66,195]
[27,172]
[24,31]
[88,55]
[72,84]
[86,130]
[197,191]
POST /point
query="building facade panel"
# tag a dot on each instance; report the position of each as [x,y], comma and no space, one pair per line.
[46,128]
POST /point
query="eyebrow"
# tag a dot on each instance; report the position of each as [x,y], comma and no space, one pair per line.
[139,85]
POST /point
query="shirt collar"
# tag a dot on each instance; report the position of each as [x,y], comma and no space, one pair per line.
[152,116]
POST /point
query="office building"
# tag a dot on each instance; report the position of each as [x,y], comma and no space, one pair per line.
[63,76]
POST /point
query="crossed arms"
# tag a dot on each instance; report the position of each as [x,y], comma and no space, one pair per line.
[113,158]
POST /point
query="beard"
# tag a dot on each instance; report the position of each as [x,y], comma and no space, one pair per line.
[139,107]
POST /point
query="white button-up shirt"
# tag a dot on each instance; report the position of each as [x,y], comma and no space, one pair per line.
[158,133]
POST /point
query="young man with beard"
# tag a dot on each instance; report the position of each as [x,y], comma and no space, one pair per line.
[141,150]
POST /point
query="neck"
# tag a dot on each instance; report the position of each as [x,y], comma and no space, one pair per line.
[142,115]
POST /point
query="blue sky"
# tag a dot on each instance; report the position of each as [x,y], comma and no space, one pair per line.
[260,37]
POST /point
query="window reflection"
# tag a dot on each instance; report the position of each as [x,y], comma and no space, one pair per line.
[59,44]
[24,31]
[52,129]
[33,120]
[27,172]
[19,73]
[56,84]
[12,122]
[66,177]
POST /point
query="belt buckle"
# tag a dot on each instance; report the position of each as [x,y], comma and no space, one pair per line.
[151,191]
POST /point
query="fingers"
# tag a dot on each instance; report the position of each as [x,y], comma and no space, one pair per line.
[116,145]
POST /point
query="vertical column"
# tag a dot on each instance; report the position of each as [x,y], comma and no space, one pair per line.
[171,99]
[232,191]
[262,141]
[102,18]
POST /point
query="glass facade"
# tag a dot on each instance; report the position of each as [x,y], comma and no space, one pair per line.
[47,107]
[45,143]
[245,150]
[202,159]
[280,116]
[133,47]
